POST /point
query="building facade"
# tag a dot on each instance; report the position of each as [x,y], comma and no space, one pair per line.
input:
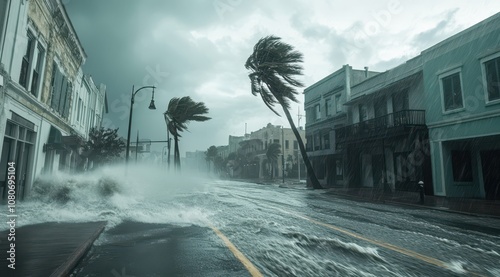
[462,96]
[385,140]
[325,111]
[434,119]
[41,60]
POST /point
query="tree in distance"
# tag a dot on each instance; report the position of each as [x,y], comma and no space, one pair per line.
[179,113]
[104,146]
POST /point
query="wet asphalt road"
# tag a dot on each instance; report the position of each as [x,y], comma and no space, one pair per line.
[290,232]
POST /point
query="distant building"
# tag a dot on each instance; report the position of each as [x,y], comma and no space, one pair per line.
[256,144]
[325,111]
[195,161]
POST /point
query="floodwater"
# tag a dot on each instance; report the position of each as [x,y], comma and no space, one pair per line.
[160,225]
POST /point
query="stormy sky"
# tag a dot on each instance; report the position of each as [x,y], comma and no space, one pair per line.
[198,48]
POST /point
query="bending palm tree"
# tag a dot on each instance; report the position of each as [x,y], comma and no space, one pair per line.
[272,154]
[179,113]
[274,66]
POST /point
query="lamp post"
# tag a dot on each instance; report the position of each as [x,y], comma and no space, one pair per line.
[151,107]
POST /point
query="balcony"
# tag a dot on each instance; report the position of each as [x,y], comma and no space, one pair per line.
[393,124]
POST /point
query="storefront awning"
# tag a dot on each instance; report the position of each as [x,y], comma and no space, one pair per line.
[54,141]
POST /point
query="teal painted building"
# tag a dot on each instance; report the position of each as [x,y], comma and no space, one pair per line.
[462,94]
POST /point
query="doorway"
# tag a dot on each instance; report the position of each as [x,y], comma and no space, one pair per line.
[491,173]
[17,147]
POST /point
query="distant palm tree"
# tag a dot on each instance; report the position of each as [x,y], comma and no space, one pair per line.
[210,155]
[274,66]
[272,154]
[179,113]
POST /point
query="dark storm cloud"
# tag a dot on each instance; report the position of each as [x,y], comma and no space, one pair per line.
[144,43]
[199,47]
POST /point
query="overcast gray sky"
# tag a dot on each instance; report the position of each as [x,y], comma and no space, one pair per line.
[198,48]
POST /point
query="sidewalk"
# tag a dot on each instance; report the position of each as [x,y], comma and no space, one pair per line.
[470,206]
[462,205]
[47,249]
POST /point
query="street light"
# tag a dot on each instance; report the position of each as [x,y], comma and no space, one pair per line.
[151,107]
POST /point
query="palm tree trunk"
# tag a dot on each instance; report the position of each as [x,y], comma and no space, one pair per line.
[177,152]
[310,172]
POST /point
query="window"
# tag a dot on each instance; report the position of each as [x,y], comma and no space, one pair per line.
[363,113]
[27,59]
[309,143]
[338,103]
[295,145]
[339,170]
[326,141]
[328,107]
[317,110]
[492,78]
[286,144]
[37,71]
[451,88]
[317,142]
[400,101]
[32,65]
[461,162]
[79,109]
[61,92]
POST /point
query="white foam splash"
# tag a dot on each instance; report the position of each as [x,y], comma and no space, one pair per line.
[143,194]
[457,267]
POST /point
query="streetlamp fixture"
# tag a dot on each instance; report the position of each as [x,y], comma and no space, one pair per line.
[151,107]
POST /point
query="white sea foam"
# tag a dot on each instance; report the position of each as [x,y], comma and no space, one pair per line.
[142,194]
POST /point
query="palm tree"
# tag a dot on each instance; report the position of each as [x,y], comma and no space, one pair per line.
[210,155]
[274,66]
[179,113]
[272,153]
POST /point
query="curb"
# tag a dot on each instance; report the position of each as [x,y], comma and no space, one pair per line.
[70,263]
[397,203]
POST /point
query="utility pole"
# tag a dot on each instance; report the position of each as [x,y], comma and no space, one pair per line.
[299,116]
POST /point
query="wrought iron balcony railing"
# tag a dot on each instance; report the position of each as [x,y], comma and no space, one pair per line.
[380,125]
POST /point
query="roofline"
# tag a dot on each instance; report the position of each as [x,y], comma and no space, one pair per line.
[70,24]
[324,79]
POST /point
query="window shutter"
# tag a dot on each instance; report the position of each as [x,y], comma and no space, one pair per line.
[69,91]
[56,88]
[62,99]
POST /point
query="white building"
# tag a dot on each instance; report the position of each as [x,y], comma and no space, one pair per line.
[40,75]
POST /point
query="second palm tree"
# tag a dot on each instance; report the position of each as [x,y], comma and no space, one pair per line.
[179,113]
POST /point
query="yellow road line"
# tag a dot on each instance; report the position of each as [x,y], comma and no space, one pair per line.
[398,249]
[249,266]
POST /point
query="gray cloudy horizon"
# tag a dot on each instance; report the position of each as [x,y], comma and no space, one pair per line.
[198,48]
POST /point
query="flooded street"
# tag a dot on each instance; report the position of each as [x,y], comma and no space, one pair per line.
[159,229]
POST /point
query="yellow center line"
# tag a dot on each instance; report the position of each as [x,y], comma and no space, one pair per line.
[237,253]
[398,249]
